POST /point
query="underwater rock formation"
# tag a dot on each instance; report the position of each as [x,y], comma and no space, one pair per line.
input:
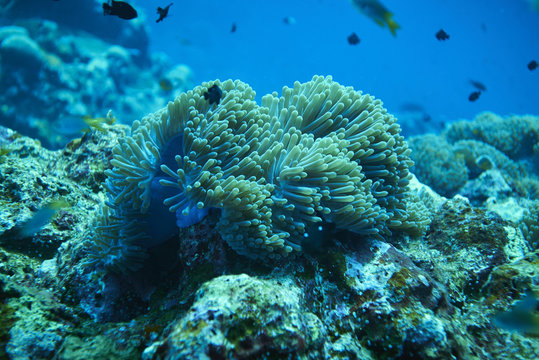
[319,154]
[424,297]
[284,329]
[493,161]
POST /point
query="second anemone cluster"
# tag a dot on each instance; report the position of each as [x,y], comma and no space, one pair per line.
[319,153]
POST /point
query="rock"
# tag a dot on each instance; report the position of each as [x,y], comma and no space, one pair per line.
[238,316]
[490,184]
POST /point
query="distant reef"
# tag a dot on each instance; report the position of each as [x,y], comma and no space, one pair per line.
[455,289]
[503,149]
[58,78]
[81,15]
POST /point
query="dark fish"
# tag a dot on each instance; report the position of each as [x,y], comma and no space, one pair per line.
[353,39]
[165,84]
[484,162]
[474,96]
[233,28]
[163,12]
[213,94]
[289,20]
[121,9]
[442,35]
[532,65]
[478,85]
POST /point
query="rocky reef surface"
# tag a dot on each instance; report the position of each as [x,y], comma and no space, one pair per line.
[407,297]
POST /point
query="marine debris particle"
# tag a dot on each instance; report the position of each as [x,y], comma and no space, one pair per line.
[213,94]
[474,96]
[442,35]
[121,9]
[478,85]
[163,12]
[233,28]
[532,65]
[377,12]
[353,39]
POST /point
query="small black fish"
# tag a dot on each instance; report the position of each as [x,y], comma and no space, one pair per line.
[213,94]
[289,20]
[532,65]
[163,12]
[474,96]
[353,39]
[478,85]
[442,35]
[121,9]
[233,28]
[166,85]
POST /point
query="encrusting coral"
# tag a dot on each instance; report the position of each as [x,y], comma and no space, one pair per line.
[516,136]
[319,153]
[466,149]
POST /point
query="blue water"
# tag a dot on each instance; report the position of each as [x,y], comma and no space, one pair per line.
[491,41]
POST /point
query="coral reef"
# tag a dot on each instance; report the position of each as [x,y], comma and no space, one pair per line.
[436,165]
[469,149]
[348,296]
[83,15]
[516,136]
[320,153]
[54,77]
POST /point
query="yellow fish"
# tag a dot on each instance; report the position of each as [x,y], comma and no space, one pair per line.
[97,123]
[377,12]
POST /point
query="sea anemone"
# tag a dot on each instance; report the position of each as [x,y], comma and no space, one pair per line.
[319,153]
